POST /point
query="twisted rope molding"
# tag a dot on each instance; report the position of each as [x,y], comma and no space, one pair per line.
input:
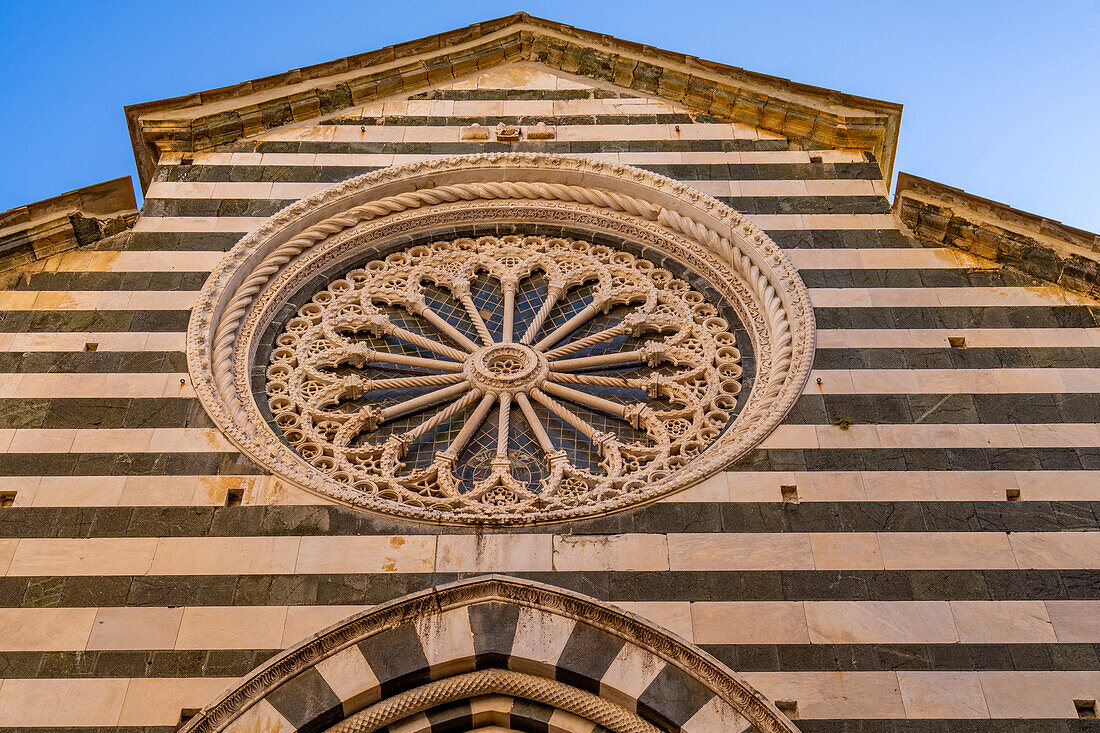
[423,606]
[500,682]
[784,364]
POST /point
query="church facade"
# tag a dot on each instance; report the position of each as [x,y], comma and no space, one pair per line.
[524,378]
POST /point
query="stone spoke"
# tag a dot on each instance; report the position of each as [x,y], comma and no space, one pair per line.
[578,320]
[536,425]
[442,416]
[478,321]
[424,401]
[503,425]
[420,308]
[565,414]
[509,311]
[592,402]
[428,380]
[553,293]
[649,385]
[454,450]
[603,360]
[425,342]
[573,347]
[387,357]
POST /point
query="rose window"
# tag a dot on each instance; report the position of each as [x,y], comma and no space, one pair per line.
[504,375]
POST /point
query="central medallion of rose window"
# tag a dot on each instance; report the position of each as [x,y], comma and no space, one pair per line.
[482,376]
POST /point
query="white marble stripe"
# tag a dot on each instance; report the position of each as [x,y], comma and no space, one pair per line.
[118,701]
[730,622]
[100,300]
[983,435]
[103,340]
[158,490]
[937,258]
[923,258]
[601,132]
[86,384]
[731,487]
[128,261]
[1060,338]
[924,338]
[953,381]
[890,695]
[880,486]
[293,190]
[833,381]
[546,552]
[772,222]
[927,297]
[229,224]
[946,297]
[113,440]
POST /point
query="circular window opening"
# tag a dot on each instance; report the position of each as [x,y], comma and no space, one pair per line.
[505,375]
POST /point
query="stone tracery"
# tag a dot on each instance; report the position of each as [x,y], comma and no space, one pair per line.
[504,374]
[413,204]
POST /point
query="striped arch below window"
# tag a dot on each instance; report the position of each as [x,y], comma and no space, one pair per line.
[492,653]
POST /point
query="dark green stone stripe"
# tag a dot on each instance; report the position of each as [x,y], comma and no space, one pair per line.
[920,459]
[92,321]
[814,278]
[684,172]
[832,459]
[854,358]
[661,518]
[747,205]
[945,357]
[103,412]
[92,362]
[987,316]
[369,589]
[125,464]
[944,409]
[742,657]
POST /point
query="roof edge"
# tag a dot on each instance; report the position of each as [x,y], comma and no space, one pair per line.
[37,230]
[799,111]
[1038,246]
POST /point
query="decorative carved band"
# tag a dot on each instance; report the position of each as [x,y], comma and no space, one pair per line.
[555,694]
[247,287]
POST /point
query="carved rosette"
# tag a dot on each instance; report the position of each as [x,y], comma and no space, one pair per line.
[501,380]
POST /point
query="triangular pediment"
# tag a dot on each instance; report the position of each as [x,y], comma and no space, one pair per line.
[526,91]
[206,120]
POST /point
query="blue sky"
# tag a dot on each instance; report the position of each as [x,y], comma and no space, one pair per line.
[1001,98]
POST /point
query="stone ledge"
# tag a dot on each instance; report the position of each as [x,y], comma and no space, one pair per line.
[65,222]
[206,120]
[1040,247]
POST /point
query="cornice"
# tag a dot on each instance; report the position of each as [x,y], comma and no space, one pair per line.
[1033,244]
[205,120]
[61,223]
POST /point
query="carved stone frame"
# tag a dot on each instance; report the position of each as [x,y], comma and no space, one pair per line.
[260,272]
